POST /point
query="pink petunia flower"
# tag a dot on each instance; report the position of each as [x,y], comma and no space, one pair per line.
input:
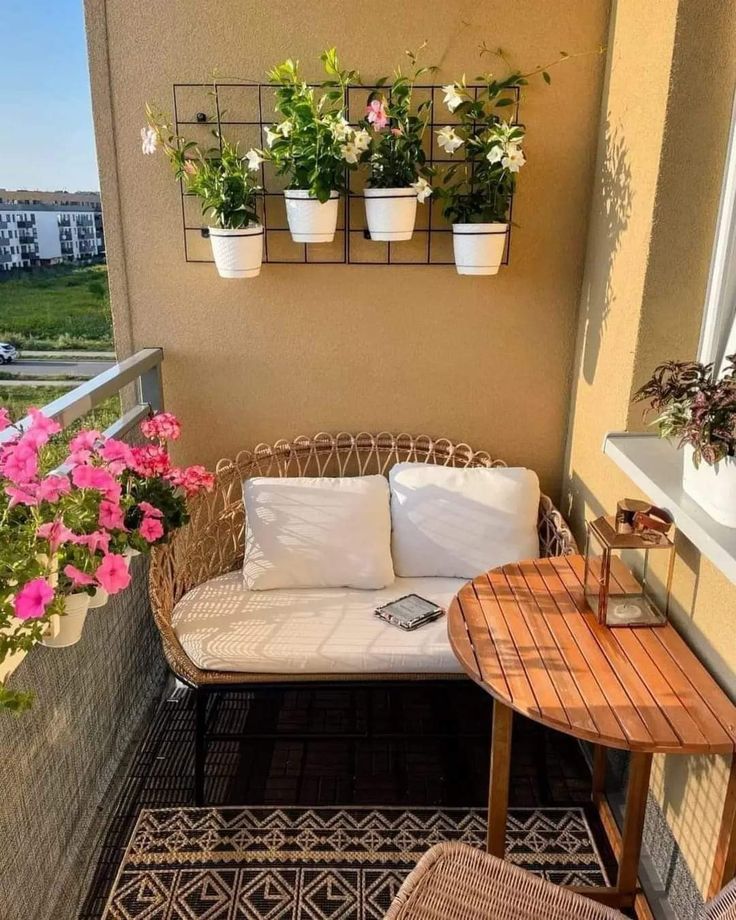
[111,516]
[85,440]
[78,458]
[22,495]
[53,487]
[376,114]
[112,574]
[77,577]
[41,429]
[163,425]
[151,529]
[33,599]
[150,510]
[56,532]
[117,454]
[20,462]
[96,542]
[92,477]
[5,420]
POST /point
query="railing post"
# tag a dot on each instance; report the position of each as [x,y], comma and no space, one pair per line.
[151,388]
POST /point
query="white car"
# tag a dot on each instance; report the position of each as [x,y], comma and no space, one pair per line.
[8,353]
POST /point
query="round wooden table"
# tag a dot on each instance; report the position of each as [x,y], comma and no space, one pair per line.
[525,634]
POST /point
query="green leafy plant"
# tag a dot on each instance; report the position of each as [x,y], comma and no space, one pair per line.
[225,181]
[313,144]
[396,156]
[694,407]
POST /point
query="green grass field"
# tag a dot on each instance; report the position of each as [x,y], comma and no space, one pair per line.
[64,307]
[17,400]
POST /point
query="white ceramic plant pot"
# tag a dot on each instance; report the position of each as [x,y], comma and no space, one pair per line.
[238,253]
[478,247]
[70,626]
[712,486]
[310,220]
[390,213]
[98,599]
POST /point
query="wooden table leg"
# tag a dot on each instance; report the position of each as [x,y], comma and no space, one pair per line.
[498,792]
[640,767]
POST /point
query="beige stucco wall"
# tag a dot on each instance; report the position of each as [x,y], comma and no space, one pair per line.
[651,235]
[348,347]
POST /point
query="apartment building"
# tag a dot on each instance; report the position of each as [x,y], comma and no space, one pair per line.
[46,228]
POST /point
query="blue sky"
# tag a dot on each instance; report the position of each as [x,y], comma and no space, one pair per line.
[46,139]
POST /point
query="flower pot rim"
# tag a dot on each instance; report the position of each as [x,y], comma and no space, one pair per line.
[481,229]
[250,230]
[393,192]
[304,194]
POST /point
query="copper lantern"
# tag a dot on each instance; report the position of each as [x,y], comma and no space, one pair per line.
[618,568]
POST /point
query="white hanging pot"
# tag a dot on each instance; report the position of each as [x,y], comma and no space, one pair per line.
[478,247]
[98,599]
[310,220]
[238,253]
[712,486]
[68,629]
[390,213]
[129,555]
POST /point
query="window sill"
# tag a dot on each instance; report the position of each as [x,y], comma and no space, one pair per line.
[655,466]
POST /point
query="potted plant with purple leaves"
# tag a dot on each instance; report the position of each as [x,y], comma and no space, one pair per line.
[396,156]
[698,409]
[226,183]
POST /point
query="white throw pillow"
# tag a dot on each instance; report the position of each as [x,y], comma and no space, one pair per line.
[304,532]
[457,523]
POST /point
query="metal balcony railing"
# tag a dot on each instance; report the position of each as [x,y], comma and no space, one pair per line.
[142,369]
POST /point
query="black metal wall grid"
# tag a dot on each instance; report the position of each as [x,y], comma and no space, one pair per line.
[242,112]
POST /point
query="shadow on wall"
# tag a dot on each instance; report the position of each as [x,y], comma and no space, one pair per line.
[612,197]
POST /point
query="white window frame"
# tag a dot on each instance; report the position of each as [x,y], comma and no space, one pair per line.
[718,332]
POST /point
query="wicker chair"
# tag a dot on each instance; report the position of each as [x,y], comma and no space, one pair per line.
[212,543]
[456,882]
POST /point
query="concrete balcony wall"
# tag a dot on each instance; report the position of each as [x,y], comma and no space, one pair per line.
[649,251]
[304,348]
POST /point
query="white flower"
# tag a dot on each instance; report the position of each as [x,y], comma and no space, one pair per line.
[149,140]
[341,129]
[514,159]
[453,98]
[495,154]
[271,136]
[362,139]
[254,159]
[423,189]
[350,152]
[448,140]
[285,128]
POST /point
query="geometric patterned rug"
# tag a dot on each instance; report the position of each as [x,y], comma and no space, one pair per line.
[266,863]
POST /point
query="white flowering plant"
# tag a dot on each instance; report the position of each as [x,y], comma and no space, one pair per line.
[225,181]
[396,156]
[313,144]
[479,189]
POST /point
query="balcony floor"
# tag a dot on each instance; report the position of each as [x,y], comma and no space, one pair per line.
[415,745]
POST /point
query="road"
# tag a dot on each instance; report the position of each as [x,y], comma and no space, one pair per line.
[83,368]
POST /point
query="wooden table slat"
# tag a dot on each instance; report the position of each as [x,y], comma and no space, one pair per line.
[601,712]
[463,647]
[635,735]
[486,655]
[560,674]
[638,692]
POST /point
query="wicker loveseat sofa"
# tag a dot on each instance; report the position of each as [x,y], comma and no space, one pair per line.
[211,545]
